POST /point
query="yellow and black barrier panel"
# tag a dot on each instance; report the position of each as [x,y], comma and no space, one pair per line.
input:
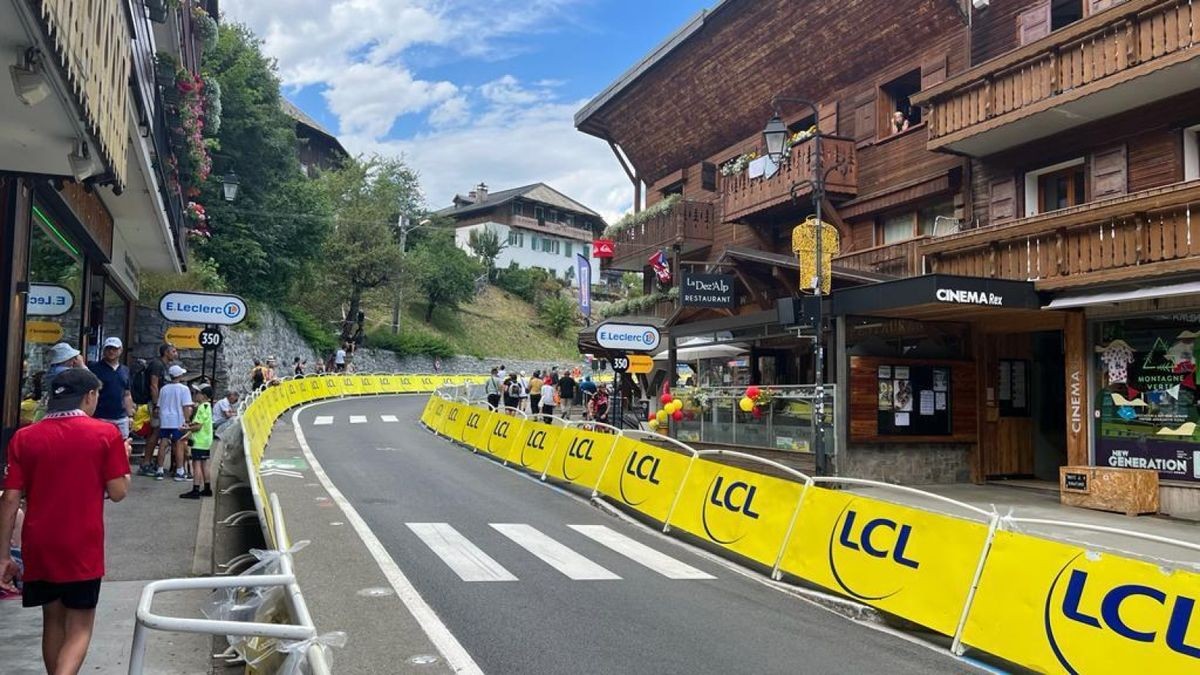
[537,444]
[456,419]
[505,432]
[644,477]
[580,456]
[478,427]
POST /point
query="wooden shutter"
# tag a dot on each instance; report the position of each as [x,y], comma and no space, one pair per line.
[1109,172]
[1094,6]
[933,71]
[1002,200]
[864,117]
[1033,23]
[827,120]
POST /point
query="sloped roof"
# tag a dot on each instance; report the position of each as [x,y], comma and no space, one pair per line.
[304,119]
[537,192]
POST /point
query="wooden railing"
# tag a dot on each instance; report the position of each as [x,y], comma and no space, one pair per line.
[742,196]
[1105,47]
[902,259]
[1149,233]
[688,222]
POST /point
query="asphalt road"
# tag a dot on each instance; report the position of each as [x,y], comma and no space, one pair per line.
[525,592]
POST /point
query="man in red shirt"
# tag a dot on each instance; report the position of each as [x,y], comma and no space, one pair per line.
[63,466]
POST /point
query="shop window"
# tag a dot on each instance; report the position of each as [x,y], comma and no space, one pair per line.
[1191,153]
[56,301]
[897,114]
[116,314]
[1055,187]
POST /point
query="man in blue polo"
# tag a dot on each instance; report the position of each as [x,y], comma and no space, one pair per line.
[116,400]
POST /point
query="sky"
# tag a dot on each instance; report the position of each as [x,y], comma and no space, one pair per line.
[467,91]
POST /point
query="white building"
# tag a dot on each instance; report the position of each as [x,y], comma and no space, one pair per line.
[541,227]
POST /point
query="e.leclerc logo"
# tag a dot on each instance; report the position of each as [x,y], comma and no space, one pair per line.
[857,542]
[1086,617]
[628,337]
[207,308]
[641,470]
[725,497]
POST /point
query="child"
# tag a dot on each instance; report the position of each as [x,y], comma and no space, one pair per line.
[201,429]
[174,408]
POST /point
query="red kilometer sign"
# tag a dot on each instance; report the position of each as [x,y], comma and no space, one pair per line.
[603,248]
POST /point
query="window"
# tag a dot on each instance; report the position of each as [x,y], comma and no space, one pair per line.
[935,217]
[553,216]
[516,208]
[539,213]
[1191,153]
[1065,12]
[1055,187]
[516,238]
[548,245]
[534,243]
[896,112]
[569,249]
[675,188]
[898,227]
[570,220]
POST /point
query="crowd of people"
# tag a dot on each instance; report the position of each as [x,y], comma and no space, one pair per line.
[547,394]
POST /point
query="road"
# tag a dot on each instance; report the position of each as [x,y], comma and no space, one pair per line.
[533,580]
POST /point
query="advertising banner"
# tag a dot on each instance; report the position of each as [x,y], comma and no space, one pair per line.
[427,416]
[584,275]
[206,308]
[455,419]
[504,434]
[644,476]
[580,456]
[477,428]
[745,512]
[1055,607]
[912,563]
[537,444]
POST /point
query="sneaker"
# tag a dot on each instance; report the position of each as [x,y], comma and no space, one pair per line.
[190,494]
[159,475]
[180,477]
[206,492]
[146,470]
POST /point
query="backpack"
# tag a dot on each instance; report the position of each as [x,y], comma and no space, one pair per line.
[139,382]
[514,390]
[257,378]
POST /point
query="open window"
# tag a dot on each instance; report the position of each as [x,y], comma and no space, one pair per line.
[1063,13]
[675,188]
[1055,187]
[929,218]
[897,114]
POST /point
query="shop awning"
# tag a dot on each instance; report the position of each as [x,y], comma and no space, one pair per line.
[937,297]
[697,348]
[1113,297]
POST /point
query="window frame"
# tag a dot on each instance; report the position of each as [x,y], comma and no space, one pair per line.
[1191,153]
[886,104]
[1033,182]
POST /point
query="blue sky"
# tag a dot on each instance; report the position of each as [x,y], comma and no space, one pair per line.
[466,90]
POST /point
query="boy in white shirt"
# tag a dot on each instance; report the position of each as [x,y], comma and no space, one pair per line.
[174,409]
[547,401]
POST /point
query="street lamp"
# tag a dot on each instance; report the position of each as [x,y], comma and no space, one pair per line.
[404,226]
[774,138]
[229,184]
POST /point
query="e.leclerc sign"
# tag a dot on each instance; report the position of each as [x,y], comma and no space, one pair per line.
[628,337]
[207,308]
[48,300]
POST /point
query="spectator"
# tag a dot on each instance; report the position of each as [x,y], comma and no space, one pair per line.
[503,373]
[899,122]
[535,392]
[553,377]
[201,428]
[158,379]
[298,367]
[599,405]
[512,393]
[523,402]
[587,389]
[258,376]
[339,359]
[63,466]
[175,403]
[492,389]
[225,410]
[61,357]
[271,375]
[566,394]
[547,399]
[116,400]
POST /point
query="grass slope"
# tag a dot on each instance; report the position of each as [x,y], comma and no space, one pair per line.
[496,323]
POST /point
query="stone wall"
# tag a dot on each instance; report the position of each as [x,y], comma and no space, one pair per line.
[907,463]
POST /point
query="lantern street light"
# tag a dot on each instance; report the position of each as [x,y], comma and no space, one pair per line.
[230,184]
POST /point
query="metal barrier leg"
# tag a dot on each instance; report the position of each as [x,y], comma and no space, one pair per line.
[678,494]
[787,537]
[956,647]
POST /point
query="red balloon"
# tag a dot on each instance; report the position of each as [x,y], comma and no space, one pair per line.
[752,391]
[757,412]
[666,398]
[677,415]
[652,418]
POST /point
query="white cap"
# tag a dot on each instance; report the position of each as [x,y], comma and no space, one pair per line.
[176,371]
[113,342]
[61,353]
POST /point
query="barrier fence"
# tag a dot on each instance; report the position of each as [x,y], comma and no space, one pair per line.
[1043,604]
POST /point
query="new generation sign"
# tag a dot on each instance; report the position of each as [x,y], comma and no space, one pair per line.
[207,308]
[628,337]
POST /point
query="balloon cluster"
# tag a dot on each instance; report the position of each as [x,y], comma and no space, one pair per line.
[749,402]
[672,410]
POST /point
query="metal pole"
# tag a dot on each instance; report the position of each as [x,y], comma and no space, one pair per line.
[818,409]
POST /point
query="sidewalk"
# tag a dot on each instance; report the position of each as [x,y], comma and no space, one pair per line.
[1025,503]
[150,535]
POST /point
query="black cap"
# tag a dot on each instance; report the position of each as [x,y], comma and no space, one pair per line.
[69,387]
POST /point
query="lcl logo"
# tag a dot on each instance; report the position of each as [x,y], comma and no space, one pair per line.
[581,448]
[1157,617]
[535,441]
[735,497]
[872,539]
[473,421]
[453,414]
[501,429]
[639,469]
[427,380]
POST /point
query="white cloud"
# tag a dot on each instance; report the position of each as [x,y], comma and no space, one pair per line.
[368,98]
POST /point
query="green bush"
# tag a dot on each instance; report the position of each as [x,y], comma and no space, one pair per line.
[530,284]
[558,313]
[320,338]
[409,344]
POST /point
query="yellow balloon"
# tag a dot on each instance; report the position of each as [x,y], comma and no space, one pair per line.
[676,405]
[746,404]
[661,416]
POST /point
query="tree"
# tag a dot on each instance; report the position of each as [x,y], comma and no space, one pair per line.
[444,273]
[558,313]
[487,246]
[363,252]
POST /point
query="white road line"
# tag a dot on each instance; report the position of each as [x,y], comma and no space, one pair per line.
[452,650]
[553,553]
[467,560]
[389,418]
[640,553]
[323,421]
[358,419]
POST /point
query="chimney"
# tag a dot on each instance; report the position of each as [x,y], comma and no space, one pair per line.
[480,193]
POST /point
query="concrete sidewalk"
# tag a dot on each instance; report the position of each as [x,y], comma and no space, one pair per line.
[150,535]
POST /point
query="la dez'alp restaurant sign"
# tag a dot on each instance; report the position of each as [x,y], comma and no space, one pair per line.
[707,290]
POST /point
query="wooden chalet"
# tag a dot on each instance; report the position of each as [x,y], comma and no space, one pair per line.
[1013,204]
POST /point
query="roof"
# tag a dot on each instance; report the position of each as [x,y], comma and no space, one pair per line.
[790,262]
[536,192]
[304,119]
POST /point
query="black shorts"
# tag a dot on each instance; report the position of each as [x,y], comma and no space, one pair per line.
[200,454]
[73,594]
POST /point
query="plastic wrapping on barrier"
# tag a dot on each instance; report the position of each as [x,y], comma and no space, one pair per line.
[249,604]
[535,445]
[300,650]
[580,456]
[644,476]
[1056,607]
[912,563]
[744,511]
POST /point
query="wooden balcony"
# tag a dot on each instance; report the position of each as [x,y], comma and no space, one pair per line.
[902,259]
[1135,53]
[689,224]
[1146,234]
[743,197]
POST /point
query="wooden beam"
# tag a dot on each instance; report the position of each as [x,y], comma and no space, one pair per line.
[1075,340]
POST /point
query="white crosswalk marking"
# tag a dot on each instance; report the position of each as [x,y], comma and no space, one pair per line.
[640,553]
[558,556]
[358,419]
[466,559]
[323,420]
[389,418]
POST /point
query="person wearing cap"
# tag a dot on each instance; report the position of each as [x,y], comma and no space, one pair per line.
[174,409]
[61,357]
[63,466]
[116,399]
